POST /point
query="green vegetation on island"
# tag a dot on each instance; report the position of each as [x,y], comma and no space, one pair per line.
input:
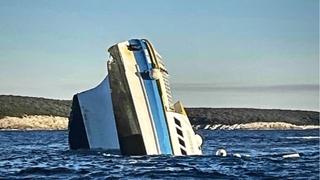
[230,116]
[19,106]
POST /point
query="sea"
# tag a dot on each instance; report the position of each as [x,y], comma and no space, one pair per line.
[251,154]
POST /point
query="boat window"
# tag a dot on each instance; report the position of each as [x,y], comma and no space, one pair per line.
[183,152]
[181,142]
[179,132]
[177,122]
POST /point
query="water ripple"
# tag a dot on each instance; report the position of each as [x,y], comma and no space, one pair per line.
[45,154]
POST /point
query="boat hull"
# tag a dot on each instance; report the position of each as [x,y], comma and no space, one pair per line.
[133,104]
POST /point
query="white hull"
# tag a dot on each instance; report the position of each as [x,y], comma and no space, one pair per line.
[131,111]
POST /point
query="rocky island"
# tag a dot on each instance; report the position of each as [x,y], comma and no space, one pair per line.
[32,113]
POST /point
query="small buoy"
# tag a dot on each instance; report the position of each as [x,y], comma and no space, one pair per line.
[237,155]
[295,155]
[221,152]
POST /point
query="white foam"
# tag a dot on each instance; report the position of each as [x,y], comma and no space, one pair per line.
[304,137]
[294,155]
[237,155]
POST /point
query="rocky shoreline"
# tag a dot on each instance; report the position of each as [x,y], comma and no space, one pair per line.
[40,122]
[35,122]
[257,126]
[33,113]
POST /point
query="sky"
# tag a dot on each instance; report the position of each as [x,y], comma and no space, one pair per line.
[219,53]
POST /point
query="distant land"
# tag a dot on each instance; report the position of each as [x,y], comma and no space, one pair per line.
[21,112]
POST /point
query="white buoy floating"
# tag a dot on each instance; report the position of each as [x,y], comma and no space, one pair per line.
[221,152]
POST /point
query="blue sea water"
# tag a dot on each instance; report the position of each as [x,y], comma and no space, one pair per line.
[45,154]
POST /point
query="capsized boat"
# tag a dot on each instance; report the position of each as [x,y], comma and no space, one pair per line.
[131,112]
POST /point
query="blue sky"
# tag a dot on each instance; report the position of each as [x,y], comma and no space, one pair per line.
[226,53]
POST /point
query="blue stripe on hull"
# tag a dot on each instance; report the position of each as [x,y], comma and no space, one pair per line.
[154,101]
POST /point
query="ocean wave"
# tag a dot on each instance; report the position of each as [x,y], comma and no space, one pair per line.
[37,155]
